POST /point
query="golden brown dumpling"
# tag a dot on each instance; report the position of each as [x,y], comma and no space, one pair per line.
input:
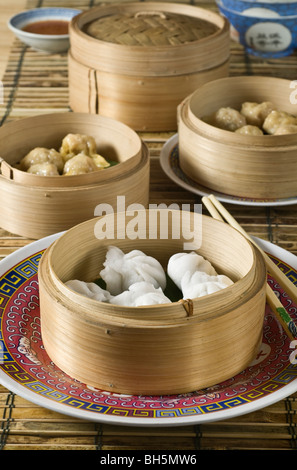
[74,144]
[275,119]
[256,113]
[42,155]
[79,164]
[229,119]
[43,169]
[249,130]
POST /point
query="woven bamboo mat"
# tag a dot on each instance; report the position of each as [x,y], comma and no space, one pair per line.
[36,83]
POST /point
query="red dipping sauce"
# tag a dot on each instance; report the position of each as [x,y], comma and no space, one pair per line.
[52,27]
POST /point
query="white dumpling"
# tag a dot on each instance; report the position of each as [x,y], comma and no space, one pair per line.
[181,263]
[249,130]
[73,144]
[229,119]
[200,284]
[89,289]
[256,113]
[43,169]
[42,155]
[122,270]
[140,294]
[276,119]
[79,165]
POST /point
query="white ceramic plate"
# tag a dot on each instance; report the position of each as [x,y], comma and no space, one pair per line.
[169,160]
[26,369]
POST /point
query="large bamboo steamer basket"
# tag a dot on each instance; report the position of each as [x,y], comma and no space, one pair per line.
[142,85]
[164,349]
[36,206]
[262,167]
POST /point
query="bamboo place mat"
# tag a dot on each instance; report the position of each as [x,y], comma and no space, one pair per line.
[36,83]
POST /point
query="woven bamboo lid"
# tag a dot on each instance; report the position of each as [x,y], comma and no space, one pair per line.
[150,28]
[150,39]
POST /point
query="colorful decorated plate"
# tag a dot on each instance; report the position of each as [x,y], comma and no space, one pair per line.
[169,160]
[26,369]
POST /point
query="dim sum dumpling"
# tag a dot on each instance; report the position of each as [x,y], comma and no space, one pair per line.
[100,161]
[286,129]
[79,164]
[89,289]
[140,294]
[43,169]
[122,270]
[249,130]
[256,113]
[229,119]
[181,263]
[194,275]
[42,155]
[201,283]
[73,144]
[276,119]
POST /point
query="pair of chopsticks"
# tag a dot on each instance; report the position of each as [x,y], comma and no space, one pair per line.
[218,211]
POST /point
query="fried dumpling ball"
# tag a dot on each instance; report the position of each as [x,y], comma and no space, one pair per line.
[275,119]
[256,113]
[42,155]
[74,144]
[43,169]
[79,164]
[228,119]
[249,130]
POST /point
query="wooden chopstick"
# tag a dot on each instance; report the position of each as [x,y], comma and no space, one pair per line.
[219,212]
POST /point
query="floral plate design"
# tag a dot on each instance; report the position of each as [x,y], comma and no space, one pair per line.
[26,369]
[169,160]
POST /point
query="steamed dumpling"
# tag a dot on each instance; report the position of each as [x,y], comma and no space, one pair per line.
[79,165]
[89,289]
[140,293]
[284,129]
[276,119]
[122,270]
[249,130]
[182,263]
[229,119]
[194,275]
[200,284]
[42,155]
[73,144]
[44,169]
[256,113]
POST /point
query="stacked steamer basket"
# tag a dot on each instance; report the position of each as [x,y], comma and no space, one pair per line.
[248,166]
[36,206]
[137,61]
[171,348]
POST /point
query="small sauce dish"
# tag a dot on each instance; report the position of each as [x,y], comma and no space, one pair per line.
[44,29]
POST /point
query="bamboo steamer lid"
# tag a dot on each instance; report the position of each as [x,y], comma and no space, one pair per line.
[164,49]
[257,167]
[170,348]
[36,206]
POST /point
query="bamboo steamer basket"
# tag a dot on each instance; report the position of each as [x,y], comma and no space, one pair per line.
[142,84]
[160,349]
[36,206]
[256,167]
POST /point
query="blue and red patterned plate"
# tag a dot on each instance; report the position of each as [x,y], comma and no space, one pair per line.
[26,369]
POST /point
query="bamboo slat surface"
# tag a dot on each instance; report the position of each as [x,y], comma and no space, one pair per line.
[36,83]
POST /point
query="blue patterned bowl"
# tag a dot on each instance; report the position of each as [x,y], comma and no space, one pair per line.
[42,42]
[282,7]
[262,31]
